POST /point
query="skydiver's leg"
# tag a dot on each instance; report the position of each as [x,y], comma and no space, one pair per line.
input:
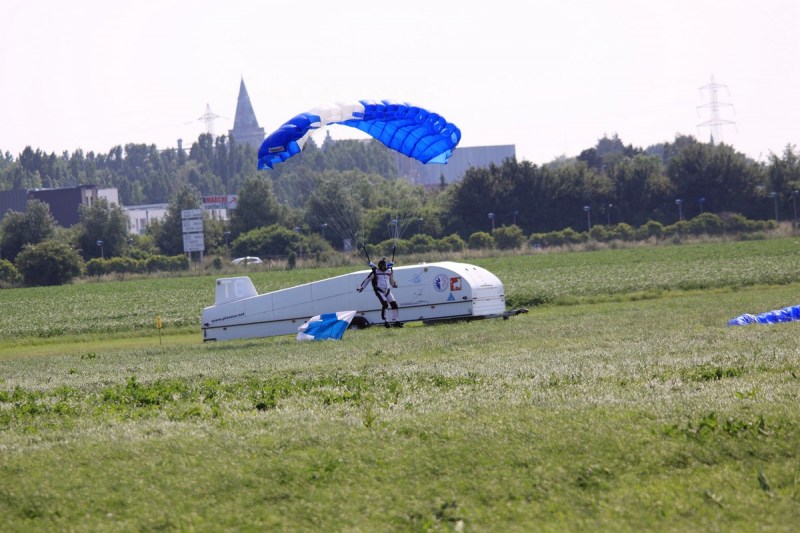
[395,309]
[384,303]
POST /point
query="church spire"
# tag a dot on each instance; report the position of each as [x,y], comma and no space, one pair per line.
[245,125]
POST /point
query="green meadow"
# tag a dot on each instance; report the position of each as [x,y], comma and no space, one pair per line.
[620,402]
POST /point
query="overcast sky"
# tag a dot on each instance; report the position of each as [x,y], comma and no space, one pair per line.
[551,77]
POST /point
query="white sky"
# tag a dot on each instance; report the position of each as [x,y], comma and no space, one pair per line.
[551,77]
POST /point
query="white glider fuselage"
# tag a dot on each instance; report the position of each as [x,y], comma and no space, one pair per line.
[426,292]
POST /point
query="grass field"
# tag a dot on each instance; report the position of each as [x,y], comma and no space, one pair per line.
[623,404]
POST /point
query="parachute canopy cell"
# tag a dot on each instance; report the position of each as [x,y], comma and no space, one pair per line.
[787,314]
[413,131]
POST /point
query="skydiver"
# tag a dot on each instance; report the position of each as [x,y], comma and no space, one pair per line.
[382,279]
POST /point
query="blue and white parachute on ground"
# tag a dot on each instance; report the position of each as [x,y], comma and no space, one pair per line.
[410,130]
[328,326]
[787,314]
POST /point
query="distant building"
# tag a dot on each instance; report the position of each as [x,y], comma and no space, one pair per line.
[64,202]
[458,164]
[245,125]
[141,216]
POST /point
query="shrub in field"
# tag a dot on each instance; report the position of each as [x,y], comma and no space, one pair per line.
[706,224]
[115,265]
[652,228]
[386,248]
[49,263]
[557,238]
[269,241]
[509,237]
[480,240]
[8,273]
[599,233]
[162,263]
[421,243]
[622,232]
[451,243]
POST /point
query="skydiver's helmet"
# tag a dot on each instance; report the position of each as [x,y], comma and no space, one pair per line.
[382,264]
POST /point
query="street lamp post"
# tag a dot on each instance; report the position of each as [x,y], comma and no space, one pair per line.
[102,253]
[679,203]
[701,201]
[419,225]
[794,203]
[608,215]
[774,197]
[322,227]
[516,212]
[491,217]
[588,210]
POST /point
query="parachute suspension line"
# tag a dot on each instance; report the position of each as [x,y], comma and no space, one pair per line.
[341,217]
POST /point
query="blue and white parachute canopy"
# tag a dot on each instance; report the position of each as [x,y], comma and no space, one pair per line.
[326,326]
[410,130]
[787,314]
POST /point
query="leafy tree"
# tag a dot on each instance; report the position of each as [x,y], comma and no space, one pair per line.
[33,226]
[784,177]
[106,223]
[338,202]
[48,263]
[9,275]
[257,207]
[268,241]
[720,175]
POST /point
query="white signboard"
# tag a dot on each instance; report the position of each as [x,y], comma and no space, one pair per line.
[192,230]
[191,213]
[192,225]
[193,242]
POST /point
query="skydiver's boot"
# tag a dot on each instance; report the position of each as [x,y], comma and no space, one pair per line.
[396,318]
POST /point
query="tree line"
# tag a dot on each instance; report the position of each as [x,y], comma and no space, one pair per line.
[348,193]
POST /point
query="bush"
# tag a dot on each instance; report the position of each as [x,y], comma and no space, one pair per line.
[653,228]
[116,265]
[599,233]
[707,224]
[480,240]
[509,237]
[269,241]
[421,243]
[49,263]
[622,232]
[8,273]
[162,263]
[451,243]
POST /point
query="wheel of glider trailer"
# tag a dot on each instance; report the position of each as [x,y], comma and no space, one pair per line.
[359,322]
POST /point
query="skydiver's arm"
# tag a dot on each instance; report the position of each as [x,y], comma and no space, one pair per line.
[365,282]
